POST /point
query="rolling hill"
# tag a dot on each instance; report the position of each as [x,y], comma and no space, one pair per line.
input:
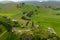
[41,15]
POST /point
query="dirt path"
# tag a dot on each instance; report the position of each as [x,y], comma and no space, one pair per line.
[19,31]
[3,33]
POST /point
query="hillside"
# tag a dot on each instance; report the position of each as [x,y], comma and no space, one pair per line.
[29,21]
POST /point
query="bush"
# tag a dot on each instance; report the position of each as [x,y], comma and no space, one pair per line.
[26,36]
[30,14]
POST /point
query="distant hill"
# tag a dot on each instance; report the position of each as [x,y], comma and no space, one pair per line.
[4,2]
[39,3]
[10,7]
[33,2]
[51,2]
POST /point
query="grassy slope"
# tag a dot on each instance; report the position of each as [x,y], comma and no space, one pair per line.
[48,19]
[44,17]
[8,9]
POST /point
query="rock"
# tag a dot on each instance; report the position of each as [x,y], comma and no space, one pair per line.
[51,30]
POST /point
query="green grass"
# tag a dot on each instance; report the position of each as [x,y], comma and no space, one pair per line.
[44,16]
[2,29]
[6,14]
[48,20]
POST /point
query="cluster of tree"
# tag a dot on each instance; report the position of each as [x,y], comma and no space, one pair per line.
[20,5]
[8,23]
[38,35]
[38,6]
[28,14]
[25,36]
[54,8]
[25,18]
[58,14]
[48,6]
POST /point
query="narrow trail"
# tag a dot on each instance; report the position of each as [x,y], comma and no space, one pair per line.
[19,31]
[3,33]
[14,30]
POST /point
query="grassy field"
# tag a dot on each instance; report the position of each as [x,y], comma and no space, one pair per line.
[6,14]
[45,17]
[48,20]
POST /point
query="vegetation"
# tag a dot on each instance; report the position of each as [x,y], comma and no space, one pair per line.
[20,21]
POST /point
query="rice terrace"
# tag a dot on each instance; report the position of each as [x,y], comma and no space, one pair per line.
[29,20]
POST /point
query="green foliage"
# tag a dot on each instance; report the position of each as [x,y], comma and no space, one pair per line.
[45,17]
[8,23]
[11,36]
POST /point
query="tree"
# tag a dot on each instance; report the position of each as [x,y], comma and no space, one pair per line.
[25,18]
[24,12]
[38,6]
[23,4]
[0,30]
[27,23]
[30,14]
[26,36]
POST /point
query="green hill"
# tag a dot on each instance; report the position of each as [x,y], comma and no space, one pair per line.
[28,16]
